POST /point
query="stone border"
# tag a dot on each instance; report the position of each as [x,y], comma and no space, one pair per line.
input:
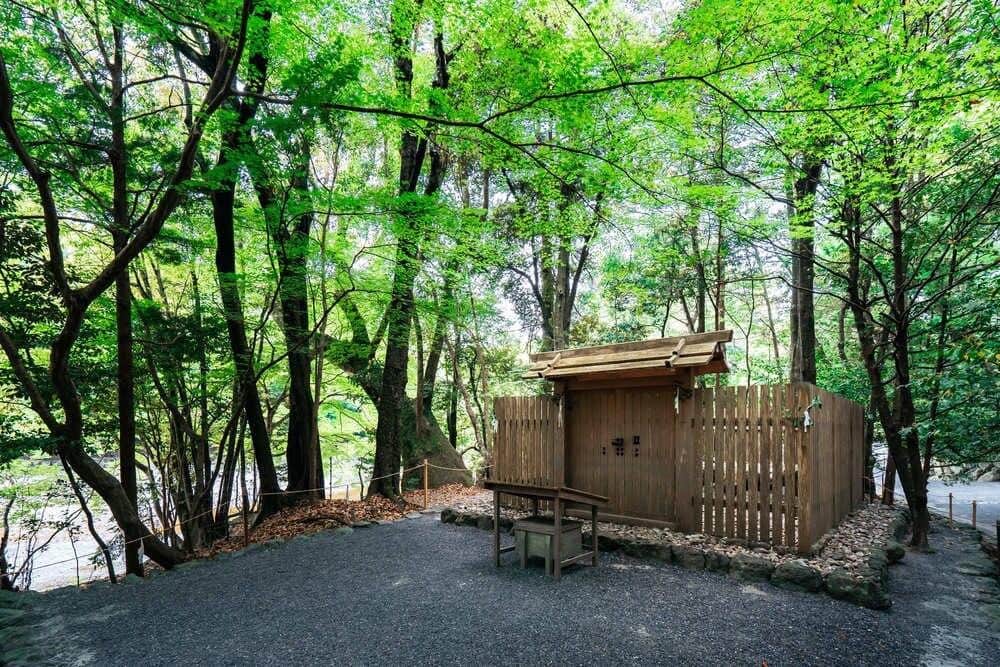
[870,589]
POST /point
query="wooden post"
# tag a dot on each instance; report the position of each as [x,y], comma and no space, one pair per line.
[331,476]
[246,524]
[347,491]
[950,514]
[593,532]
[559,446]
[496,529]
[556,538]
[683,468]
[973,513]
[425,483]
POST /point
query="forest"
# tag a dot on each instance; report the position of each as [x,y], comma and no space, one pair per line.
[251,247]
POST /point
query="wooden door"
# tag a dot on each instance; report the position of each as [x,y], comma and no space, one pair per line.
[587,441]
[620,445]
[647,477]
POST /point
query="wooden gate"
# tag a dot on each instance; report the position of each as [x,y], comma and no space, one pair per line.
[622,448]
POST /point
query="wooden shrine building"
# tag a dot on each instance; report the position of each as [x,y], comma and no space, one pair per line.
[772,464]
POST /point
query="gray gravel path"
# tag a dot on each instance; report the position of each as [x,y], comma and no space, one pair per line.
[419,592]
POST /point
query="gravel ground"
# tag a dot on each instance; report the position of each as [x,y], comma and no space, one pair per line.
[419,592]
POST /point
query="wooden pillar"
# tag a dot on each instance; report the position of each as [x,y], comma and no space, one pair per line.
[557,538]
[593,533]
[809,442]
[496,529]
[559,446]
[684,472]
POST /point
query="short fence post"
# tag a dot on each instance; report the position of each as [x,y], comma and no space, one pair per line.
[950,517]
[425,483]
[246,524]
[973,513]
[331,476]
[347,491]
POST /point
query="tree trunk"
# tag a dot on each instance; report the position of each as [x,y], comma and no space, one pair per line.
[701,280]
[453,395]
[801,231]
[120,232]
[305,469]
[223,204]
[412,151]
[126,400]
[392,389]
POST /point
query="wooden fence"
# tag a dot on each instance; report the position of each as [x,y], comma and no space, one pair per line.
[529,428]
[774,464]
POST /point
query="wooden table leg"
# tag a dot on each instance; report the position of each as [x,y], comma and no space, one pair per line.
[556,539]
[593,532]
[496,529]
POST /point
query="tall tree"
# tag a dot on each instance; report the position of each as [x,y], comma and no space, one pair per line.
[63,413]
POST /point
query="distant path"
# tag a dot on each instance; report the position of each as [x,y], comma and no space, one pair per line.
[419,592]
[986,495]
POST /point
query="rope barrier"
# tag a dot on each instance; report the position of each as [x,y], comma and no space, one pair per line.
[340,483]
[158,533]
[446,468]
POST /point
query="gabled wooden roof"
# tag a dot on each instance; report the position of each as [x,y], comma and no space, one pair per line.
[697,353]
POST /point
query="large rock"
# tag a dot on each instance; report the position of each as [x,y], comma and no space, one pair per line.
[895,552]
[463,519]
[608,542]
[866,591]
[878,563]
[689,557]
[644,549]
[797,575]
[745,567]
[448,515]
[717,561]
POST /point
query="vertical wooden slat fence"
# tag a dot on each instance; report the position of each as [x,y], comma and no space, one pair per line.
[748,462]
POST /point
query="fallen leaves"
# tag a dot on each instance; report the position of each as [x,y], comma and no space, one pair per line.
[312,517]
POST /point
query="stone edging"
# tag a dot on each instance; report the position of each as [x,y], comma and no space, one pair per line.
[870,589]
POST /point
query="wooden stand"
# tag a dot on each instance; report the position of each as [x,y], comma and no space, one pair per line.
[537,537]
[560,497]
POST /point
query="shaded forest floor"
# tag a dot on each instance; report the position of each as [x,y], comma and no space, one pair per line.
[326,597]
